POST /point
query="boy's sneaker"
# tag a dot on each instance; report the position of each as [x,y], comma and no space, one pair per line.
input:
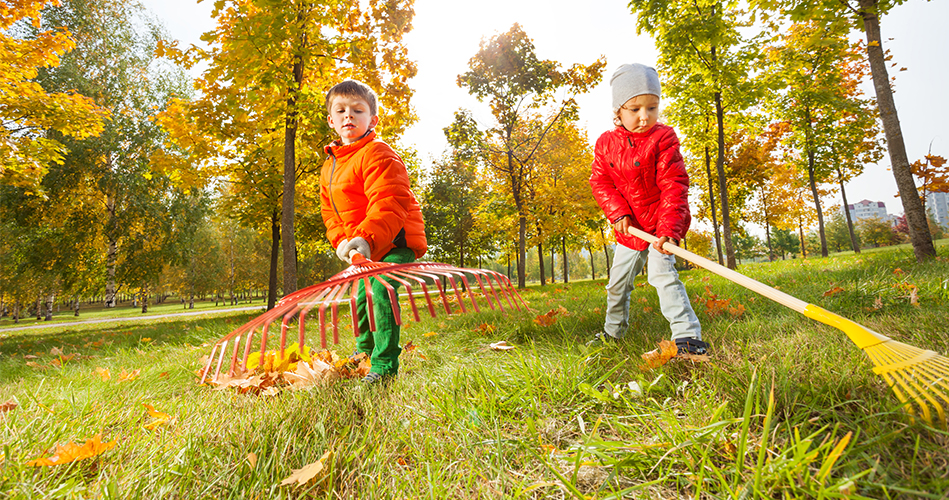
[373,378]
[691,346]
[602,338]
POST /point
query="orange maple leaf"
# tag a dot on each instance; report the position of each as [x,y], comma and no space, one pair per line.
[10,404]
[103,373]
[71,452]
[132,375]
[833,291]
[658,357]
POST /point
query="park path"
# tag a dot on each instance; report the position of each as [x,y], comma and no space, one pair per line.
[130,318]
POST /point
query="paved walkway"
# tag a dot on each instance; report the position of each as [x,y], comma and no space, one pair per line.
[131,318]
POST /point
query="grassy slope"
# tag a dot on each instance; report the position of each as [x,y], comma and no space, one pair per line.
[550,418]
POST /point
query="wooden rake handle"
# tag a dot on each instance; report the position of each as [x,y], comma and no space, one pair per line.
[862,336]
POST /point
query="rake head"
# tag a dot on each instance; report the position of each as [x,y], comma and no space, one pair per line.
[918,377]
[343,287]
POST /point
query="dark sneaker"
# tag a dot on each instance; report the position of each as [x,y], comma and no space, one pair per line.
[373,378]
[602,338]
[690,346]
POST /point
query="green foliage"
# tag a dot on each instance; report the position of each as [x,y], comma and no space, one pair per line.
[876,232]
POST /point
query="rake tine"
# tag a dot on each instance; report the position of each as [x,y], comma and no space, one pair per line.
[369,304]
[460,298]
[207,366]
[428,299]
[441,292]
[393,299]
[332,295]
[310,305]
[505,291]
[237,345]
[220,361]
[474,303]
[263,340]
[408,289]
[487,278]
[250,336]
[352,308]
[484,293]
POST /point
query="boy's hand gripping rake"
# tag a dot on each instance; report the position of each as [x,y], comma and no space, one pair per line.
[343,287]
[920,378]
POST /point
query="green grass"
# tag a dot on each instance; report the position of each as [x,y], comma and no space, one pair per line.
[63,314]
[786,407]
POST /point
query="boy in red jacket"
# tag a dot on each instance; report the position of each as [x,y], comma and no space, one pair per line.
[368,208]
[639,180]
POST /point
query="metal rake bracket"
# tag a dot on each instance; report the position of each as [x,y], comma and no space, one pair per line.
[418,279]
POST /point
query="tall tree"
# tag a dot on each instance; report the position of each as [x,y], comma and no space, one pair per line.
[272,62]
[817,71]
[508,74]
[865,15]
[700,42]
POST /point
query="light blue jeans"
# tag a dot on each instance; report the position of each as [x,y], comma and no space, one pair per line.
[673,300]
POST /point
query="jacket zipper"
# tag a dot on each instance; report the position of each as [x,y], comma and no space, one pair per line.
[330,186]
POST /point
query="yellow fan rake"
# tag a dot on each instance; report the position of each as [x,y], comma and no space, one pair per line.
[493,287]
[918,377]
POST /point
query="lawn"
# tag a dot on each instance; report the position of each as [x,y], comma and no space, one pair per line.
[785,407]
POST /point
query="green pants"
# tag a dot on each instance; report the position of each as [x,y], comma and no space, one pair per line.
[381,345]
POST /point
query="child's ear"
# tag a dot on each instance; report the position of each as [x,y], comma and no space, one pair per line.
[374,121]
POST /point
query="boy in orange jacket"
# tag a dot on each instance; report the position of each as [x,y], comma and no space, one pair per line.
[368,208]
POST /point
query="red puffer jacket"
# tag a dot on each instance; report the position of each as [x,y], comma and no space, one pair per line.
[642,176]
[364,191]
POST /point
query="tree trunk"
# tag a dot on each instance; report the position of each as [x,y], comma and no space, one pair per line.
[274,255]
[566,265]
[800,229]
[592,266]
[812,180]
[144,297]
[843,196]
[605,252]
[50,300]
[553,262]
[289,181]
[39,308]
[711,204]
[110,261]
[919,234]
[16,311]
[540,259]
[723,188]
[75,307]
[521,244]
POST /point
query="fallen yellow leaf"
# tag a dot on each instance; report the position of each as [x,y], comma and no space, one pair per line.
[308,472]
[103,373]
[71,452]
[252,459]
[132,375]
[161,418]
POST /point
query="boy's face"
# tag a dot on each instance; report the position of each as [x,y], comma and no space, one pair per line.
[350,117]
[640,113]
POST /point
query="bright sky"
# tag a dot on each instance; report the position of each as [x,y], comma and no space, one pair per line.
[446,35]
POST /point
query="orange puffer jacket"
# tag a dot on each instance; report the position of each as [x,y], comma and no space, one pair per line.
[364,191]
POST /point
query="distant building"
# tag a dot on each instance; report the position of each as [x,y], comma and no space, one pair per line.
[937,204]
[867,209]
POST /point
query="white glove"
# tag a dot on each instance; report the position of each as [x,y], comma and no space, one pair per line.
[341,250]
[356,245]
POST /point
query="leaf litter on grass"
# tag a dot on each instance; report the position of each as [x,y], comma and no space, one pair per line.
[298,368]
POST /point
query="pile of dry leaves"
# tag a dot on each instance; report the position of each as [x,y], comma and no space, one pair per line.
[267,375]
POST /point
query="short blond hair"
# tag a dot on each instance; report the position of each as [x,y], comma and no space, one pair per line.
[353,88]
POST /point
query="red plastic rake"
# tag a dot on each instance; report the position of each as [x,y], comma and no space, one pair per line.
[343,287]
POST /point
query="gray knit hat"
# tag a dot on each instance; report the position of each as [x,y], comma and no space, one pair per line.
[631,80]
